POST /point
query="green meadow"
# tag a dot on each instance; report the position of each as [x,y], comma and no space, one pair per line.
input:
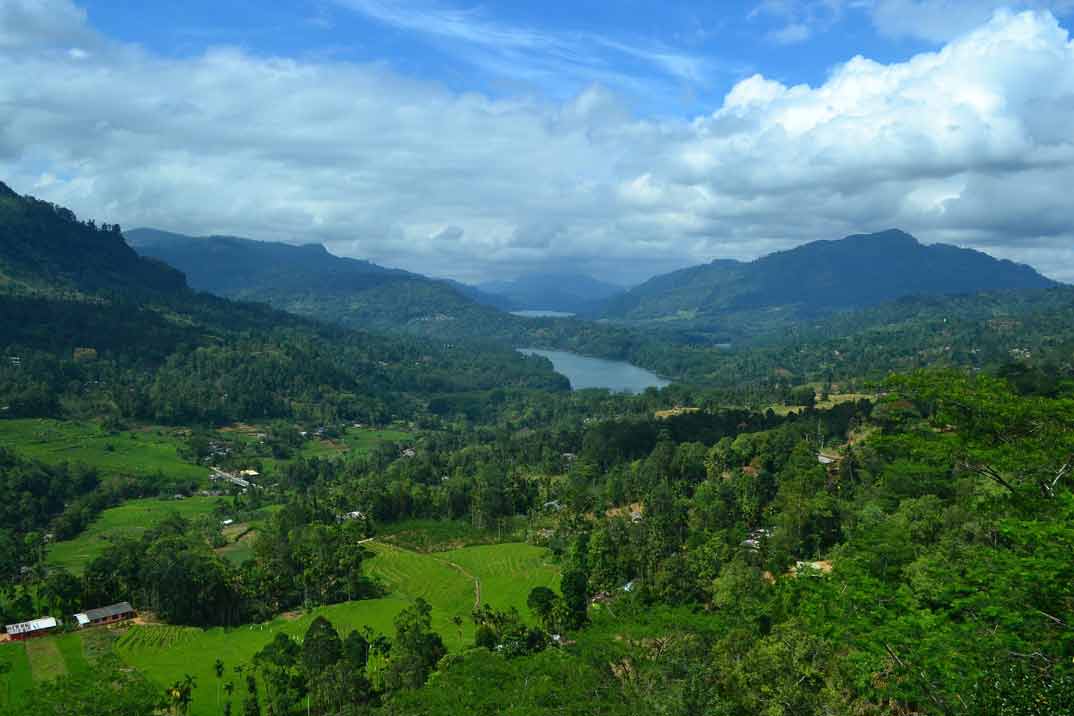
[130,519]
[506,573]
[144,452]
[354,441]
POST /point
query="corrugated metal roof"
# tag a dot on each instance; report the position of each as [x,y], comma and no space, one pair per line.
[32,625]
[109,611]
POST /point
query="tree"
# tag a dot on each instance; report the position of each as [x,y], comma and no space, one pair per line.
[540,601]
[251,706]
[180,694]
[574,586]
[416,649]
[321,646]
[356,650]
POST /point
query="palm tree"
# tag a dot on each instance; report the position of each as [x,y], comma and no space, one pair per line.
[218,668]
[180,694]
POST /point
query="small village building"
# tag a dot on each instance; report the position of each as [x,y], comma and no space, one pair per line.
[31,629]
[105,615]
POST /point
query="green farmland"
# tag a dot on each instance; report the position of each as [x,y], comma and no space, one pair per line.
[506,572]
[130,519]
[140,453]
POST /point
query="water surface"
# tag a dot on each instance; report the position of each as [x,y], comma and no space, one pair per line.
[542,314]
[585,372]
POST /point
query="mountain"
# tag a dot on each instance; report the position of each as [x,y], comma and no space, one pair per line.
[307,280]
[568,292]
[90,328]
[855,272]
[44,246]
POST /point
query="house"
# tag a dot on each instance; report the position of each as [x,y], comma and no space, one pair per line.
[824,459]
[249,473]
[817,568]
[356,515]
[105,615]
[227,523]
[31,629]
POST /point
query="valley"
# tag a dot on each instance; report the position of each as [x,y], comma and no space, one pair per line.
[337,488]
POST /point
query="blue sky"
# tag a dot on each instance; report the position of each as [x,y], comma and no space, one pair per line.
[664,58]
[480,141]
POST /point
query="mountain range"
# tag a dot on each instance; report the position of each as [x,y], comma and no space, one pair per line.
[822,276]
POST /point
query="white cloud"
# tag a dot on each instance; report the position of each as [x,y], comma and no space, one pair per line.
[526,52]
[972,144]
[943,20]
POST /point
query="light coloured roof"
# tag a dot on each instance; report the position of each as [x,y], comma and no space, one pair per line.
[32,625]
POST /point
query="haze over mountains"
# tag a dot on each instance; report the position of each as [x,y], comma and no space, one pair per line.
[568,292]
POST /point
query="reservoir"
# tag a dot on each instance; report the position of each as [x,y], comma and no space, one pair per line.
[584,372]
[542,314]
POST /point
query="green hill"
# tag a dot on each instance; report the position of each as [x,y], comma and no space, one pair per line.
[45,246]
[309,281]
[822,276]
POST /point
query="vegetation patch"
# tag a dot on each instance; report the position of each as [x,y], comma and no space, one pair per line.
[46,659]
[430,535]
[18,677]
[147,452]
[130,519]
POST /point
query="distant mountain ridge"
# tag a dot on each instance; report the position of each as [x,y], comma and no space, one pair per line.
[554,291]
[855,272]
[308,280]
[44,246]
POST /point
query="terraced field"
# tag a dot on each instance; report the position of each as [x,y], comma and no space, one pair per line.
[447,581]
[144,452]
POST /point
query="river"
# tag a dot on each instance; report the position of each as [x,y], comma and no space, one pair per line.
[585,372]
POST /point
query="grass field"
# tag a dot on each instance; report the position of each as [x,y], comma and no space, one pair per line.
[353,441]
[46,659]
[833,400]
[446,580]
[130,519]
[19,679]
[140,452]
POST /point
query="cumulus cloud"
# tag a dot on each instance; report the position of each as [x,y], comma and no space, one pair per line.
[943,20]
[972,144]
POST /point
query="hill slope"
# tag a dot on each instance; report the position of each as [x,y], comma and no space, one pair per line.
[44,246]
[307,280]
[88,327]
[855,272]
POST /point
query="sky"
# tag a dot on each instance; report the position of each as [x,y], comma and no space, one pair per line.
[484,141]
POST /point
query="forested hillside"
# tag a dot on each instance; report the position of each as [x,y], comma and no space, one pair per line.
[818,277]
[309,281]
[46,247]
